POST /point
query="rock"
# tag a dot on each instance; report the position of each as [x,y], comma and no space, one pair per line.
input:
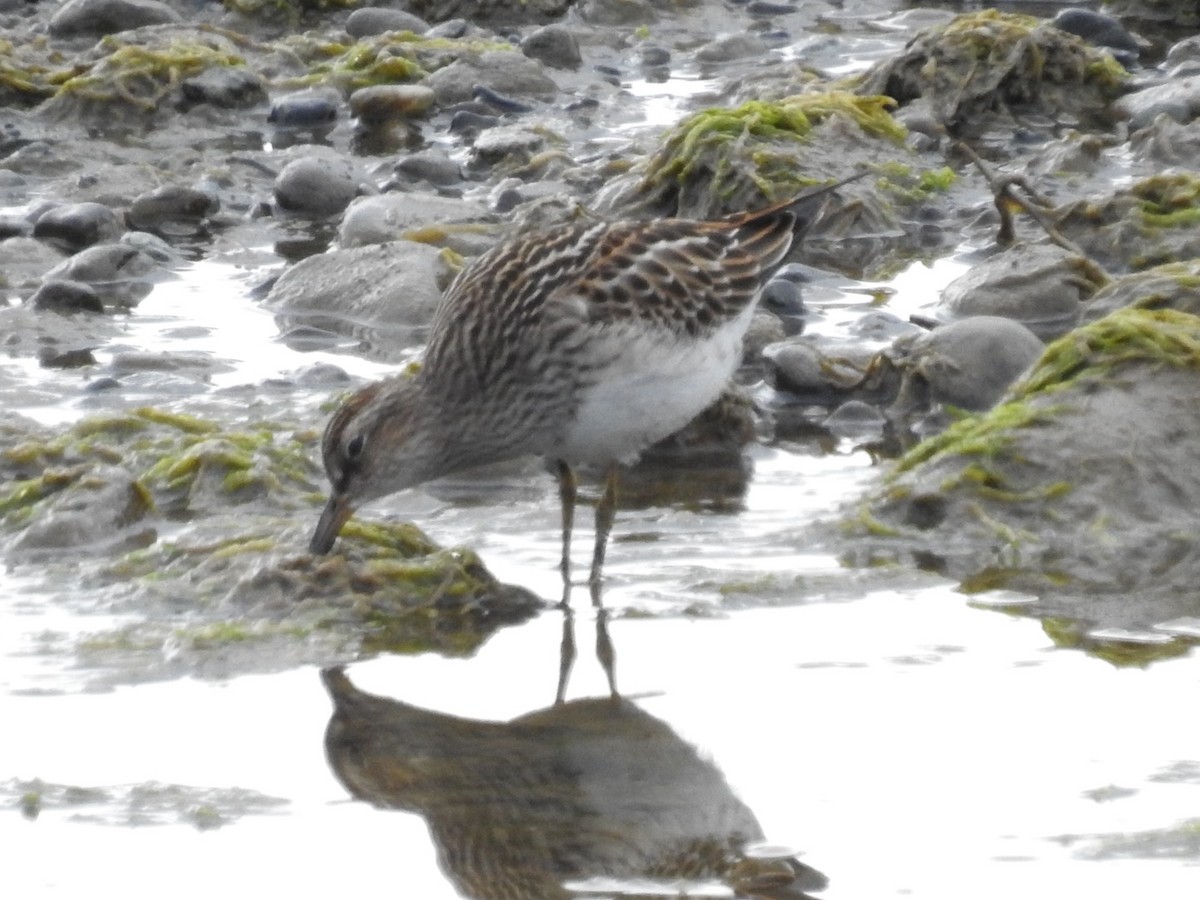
[1041,286]
[24,260]
[426,217]
[783,297]
[317,186]
[95,513]
[383,103]
[505,72]
[225,88]
[305,111]
[765,329]
[1080,488]
[617,12]
[968,364]
[1032,68]
[1171,286]
[74,226]
[509,143]
[97,17]
[1100,30]
[66,297]
[372,20]
[432,166]
[390,290]
[1178,98]
[554,46]
[1139,225]
[1183,58]
[1165,142]
[729,47]
[117,273]
[810,368]
[490,12]
[172,209]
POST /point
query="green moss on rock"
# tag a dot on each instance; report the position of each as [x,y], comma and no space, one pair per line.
[758,142]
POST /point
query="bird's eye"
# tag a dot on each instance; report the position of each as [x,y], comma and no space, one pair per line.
[355,447]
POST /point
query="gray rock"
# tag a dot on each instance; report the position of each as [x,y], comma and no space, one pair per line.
[225,87]
[74,226]
[387,290]
[1083,492]
[382,103]
[172,209]
[445,222]
[814,369]
[1171,286]
[105,262]
[117,273]
[514,143]
[728,47]
[95,17]
[1041,286]
[968,364]
[24,260]
[373,20]
[554,46]
[91,513]
[305,111]
[1178,98]
[317,186]
[505,72]
[66,297]
[617,12]
[433,166]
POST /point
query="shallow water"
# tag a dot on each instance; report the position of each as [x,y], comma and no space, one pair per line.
[909,743]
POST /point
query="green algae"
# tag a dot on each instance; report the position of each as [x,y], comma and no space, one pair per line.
[760,140]
[1076,635]
[1169,201]
[988,62]
[135,78]
[29,72]
[389,58]
[1159,337]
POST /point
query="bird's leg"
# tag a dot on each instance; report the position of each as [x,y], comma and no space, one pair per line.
[566,653]
[566,495]
[605,652]
[606,511]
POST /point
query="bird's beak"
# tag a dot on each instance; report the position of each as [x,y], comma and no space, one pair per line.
[335,514]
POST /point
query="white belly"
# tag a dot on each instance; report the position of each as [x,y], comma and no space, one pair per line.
[657,384]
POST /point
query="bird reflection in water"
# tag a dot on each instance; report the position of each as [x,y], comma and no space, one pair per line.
[533,808]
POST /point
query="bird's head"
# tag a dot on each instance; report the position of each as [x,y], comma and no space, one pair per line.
[377,443]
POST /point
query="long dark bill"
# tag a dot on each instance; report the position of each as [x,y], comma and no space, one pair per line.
[333,517]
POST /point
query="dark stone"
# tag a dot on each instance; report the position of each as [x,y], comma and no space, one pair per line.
[554,46]
[66,297]
[77,225]
[96,17]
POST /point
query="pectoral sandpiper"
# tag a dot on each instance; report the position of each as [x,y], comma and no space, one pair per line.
[583,345]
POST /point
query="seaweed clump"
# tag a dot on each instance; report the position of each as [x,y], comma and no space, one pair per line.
[1154,221]
[134,81]
[725,159]
[988,63]
[200,530]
